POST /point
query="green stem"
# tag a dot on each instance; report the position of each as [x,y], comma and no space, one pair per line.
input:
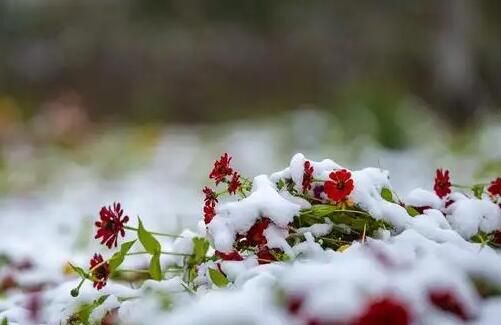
[134,271]
[155,233]
[190,291]
[336,241]
[172,271]
[353,211]
[164,253]
[75,292]
[241,191]
[461,186]
[122,299]
[221,193]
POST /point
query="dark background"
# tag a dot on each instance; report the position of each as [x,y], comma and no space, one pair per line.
[193,61]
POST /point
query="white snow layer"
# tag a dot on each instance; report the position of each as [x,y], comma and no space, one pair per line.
[429,251]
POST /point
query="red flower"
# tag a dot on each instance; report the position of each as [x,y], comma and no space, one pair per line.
[221,169]
[294,304]
[255,235]
[209,213]
[210,196]
[307,176]
[265,255]
[386,311]
[339,186]
[234,183]
[111,224]
[7,282]
[446,301]
[231,256]
[495,187]
[442,183]
[99,270]
[497,237]
[34,307]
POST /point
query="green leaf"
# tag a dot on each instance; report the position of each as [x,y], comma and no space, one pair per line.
[200,248]
[117,259]
[318,211]
[83,314]
[81,272]
[478,190]
[280,184]
[5,321]
[218,278]
[155,269]
[150,243]
[387,194]
[412,211]
[279,256]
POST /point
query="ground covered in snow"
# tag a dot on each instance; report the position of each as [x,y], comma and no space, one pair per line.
[288,246]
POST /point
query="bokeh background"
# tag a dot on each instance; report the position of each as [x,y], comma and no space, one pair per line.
[132,100]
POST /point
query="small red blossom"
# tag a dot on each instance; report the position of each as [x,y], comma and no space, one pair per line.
[386,311]
[495,187]
[210,196]
[111,224]
[497,237]
[442,185]
[448,302]
[231,256]
[221,169]
[294,304]
[234,183]
[307,176]
[7,282]
[339,186]
[255,235]
[265,255]
[209,213]
[34,307]
[99,270]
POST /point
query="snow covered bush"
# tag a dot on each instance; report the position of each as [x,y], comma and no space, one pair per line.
[314,243]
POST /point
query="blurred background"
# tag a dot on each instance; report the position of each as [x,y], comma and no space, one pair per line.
[133,100]
[102,91]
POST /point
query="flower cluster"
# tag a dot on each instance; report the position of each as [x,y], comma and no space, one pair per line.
[221,169]
[286,216]
[222,172]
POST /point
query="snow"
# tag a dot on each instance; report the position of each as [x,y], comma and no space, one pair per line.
[367,194]
[428,251]
[423,198]
[469,216]
[238,217]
